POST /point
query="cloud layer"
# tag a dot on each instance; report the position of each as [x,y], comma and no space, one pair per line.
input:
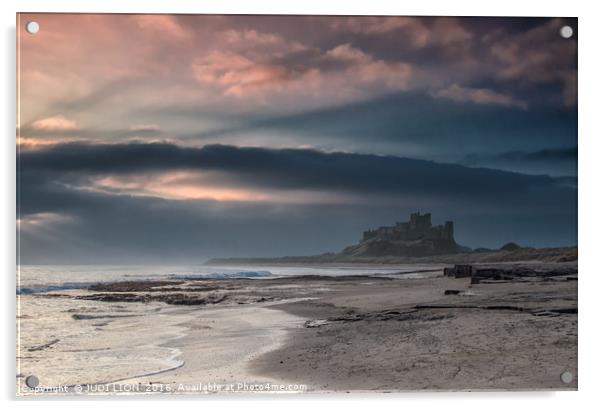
[284,63]
[289,169]
[203,195]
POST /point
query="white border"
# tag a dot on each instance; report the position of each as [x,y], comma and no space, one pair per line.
[590,228]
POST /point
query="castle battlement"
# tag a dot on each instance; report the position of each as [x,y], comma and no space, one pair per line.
[417,228]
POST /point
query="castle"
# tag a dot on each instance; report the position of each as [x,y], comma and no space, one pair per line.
[419,227]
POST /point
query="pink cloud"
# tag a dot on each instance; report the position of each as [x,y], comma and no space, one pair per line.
[55,123]
[479,96]
[237,75]
[145,127]
[162,24]
[252,38]
[256,44]
[42,220]
[194,185]
[94,67]
[449,30]
[36,143]
[346,52]
[76,55]
[416,31]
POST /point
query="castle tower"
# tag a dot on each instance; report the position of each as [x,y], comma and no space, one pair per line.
[449,230]
[420,222]
[426,221]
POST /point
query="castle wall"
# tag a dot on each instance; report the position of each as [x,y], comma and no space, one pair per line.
[418,227]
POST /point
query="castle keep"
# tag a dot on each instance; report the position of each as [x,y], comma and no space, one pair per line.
[419,227]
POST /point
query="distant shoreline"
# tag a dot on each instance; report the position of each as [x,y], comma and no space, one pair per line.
[524,254]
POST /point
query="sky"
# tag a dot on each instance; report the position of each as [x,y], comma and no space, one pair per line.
[172,139]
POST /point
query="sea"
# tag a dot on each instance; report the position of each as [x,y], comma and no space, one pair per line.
[35,279]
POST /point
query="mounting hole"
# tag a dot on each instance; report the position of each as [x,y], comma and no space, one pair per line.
[566,377]
[32,381]
[32,27]
[566,32]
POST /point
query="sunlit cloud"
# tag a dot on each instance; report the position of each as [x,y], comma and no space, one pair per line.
[162,24]
[173,186]
[479,96]
[237,74]
[34,143]
[144,127]
[258,44]
[42,221]
[55,123]
[194,185]
[360,76]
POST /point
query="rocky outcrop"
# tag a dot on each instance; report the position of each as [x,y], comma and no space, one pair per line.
[483,274]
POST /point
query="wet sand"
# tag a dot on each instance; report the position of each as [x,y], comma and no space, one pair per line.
[219,346]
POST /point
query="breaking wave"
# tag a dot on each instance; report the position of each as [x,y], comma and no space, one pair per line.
[225,275]
[55,287]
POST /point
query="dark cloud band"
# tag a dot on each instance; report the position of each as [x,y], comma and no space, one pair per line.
[288,169]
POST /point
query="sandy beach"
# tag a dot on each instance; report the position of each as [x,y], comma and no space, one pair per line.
[382,338]
[389,332]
